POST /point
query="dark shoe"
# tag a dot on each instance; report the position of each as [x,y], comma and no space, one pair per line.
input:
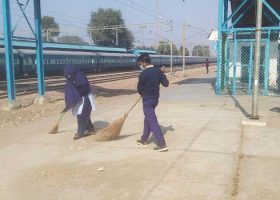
[87,134]
[161,148]
[139,142]
[91,132]
[77,136]
[91,129]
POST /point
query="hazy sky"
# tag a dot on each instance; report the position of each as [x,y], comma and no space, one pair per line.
[202,14]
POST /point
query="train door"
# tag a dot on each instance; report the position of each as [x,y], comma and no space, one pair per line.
[100,63]
[20,65]
[94,63]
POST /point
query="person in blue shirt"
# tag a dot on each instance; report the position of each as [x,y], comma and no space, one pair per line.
[207,65]
[148,87]
[79,98]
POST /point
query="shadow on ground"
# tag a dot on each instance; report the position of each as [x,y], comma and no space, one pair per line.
[275,109]
[239,106]
[164,130]
[100,125]
[107,92]
[210,81]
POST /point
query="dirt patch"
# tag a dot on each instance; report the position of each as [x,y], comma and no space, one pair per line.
[125,179]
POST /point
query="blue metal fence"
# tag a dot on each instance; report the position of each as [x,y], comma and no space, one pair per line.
[235,58]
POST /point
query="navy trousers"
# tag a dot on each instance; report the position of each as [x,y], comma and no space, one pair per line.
[84,121]
[151,123]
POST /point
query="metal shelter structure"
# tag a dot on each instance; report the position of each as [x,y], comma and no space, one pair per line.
[8,34]
[236,44]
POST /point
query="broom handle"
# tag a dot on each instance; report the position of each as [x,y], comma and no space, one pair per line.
[61,116]
[134,105]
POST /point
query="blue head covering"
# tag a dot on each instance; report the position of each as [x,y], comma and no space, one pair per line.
[74,74]
[75,79]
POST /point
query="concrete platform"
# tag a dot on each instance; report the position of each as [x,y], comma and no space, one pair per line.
[211,156]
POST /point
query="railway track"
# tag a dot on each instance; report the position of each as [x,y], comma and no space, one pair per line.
[29,86]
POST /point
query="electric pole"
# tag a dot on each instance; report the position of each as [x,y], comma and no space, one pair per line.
[158,17]
[117,38]
[171,57]
[255,108]
[184,48]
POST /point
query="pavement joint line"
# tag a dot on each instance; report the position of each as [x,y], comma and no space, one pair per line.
[237,168]
[262,157]
[211,152]
[199,132]
[197,182]
[99,145]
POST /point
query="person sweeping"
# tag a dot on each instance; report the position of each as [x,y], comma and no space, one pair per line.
[148,87]
[79,98]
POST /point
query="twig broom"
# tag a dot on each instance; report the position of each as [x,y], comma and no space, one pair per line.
[112,131]
[54,129]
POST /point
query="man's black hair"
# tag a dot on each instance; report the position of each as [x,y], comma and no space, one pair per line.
[144,58]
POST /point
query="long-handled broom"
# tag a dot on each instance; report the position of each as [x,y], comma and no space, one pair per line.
[112,131]
[54,129]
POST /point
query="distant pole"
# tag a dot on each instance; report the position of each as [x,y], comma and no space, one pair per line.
[90,38]
[184,48]
[255,108]
[47,35]
[117,38]
[158,17]
[171,56]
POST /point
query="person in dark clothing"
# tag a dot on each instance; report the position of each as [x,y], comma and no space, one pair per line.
[148,87]
[79,98]
[207,65]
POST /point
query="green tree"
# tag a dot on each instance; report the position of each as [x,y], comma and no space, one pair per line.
[50,28]
[164,48]
[109,17]
[71,39]
[181,51]
[200,50]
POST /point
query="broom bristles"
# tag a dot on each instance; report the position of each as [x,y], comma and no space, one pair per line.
[112,131]
[54,129]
